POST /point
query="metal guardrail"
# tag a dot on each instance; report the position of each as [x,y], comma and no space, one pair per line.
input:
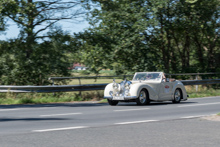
[124,76]
[87,77]
[201,82]
[87,87]
[194,74]
[54,88]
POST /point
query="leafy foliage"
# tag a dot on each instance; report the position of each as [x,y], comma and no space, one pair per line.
[170,35]
[119,41]
[28,60]
[47,58]
[125,35]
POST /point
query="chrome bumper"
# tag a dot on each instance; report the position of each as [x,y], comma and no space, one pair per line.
[125,97]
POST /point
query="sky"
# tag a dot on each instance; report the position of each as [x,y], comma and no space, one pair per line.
[13,31]
[78,24]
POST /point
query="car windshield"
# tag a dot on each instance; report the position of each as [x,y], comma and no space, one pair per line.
[147,76]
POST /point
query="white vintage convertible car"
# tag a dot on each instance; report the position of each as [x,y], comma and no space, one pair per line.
[146,87]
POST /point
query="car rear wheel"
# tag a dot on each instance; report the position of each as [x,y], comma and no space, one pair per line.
[177,96]
[143,98]
[112,103]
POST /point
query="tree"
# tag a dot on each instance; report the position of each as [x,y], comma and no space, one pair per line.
[48,58]
[38,52]
[119,37]
[140,35]
[206,33]
[34,17]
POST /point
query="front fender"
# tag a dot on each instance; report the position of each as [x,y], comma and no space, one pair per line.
[108,88]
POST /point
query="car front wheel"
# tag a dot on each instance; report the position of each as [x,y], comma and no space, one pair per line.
[143,98]
[177,96]
[112,103]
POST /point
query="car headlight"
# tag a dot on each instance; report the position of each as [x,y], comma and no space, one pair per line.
[126,92]
[115,86]
[127,85]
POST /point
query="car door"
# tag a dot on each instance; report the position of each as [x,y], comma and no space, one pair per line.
[165,91]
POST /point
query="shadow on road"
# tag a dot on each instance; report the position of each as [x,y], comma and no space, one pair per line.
[29,119]
[153,104]
[78,104]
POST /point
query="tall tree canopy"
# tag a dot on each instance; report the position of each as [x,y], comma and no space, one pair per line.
[140,35]
[125,35]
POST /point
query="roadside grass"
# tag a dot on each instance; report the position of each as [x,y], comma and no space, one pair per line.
[103,101]
[41,98]
[203,91]
[218,114]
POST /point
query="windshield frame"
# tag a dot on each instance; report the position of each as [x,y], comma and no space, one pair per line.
[148,76]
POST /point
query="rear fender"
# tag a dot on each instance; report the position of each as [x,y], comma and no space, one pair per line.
[179,85]
[136,88]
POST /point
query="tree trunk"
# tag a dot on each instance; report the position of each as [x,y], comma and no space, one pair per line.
[199,51]
[211,57]
[164,53]
[30,33]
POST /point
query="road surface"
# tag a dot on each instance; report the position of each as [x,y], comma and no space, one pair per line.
[98,124]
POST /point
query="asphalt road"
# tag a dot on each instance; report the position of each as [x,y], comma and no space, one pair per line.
[94,124]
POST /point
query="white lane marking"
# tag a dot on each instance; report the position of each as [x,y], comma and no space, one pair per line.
[196,116]
[131,109]
[200,104]
[59,114]
[193,116]
[9,109]
[135,122]
[60,129]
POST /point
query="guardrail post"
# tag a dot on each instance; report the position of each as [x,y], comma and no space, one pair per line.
[53,85]
[196,85]
[79,81]
[80,94]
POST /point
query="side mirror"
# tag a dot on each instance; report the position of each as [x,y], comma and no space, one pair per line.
[168,80]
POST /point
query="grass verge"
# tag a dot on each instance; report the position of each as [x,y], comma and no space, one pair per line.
[202,91]
[39,98]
